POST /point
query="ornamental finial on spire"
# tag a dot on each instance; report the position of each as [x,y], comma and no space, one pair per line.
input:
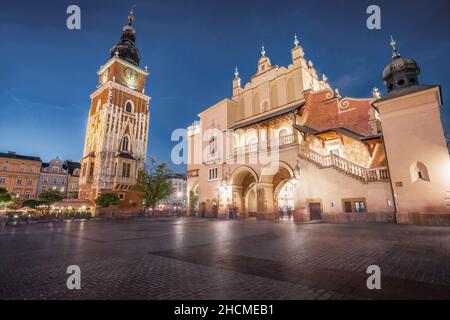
[395,53]
[131,15]
[236,72]
[296,42]
[263,51]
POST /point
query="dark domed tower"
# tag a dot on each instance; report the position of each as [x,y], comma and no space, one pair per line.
[126,47]
[416,150]
[118,123]
[402,72]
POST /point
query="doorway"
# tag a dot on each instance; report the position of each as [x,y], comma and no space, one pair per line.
[315,210]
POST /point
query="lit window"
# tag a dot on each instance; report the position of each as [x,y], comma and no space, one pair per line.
[27,194]
[125,143]
[360,206]
[354,205]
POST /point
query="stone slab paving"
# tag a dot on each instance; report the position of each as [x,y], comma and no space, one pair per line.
[215,259]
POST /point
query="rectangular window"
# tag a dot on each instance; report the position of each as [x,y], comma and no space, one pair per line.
[44,188]
[357,205]
[348,207]
[360,206]
[91,170]
[84,170]
[126,170]
[27,194]
[21,169]
[19,182]
[212,174]
[54,188]
[62,190]
[32,169]
[30,182]
[2,180]
[5,167]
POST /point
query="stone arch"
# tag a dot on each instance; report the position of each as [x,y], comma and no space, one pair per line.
[274,96]
[243,182]
[290,91]
[256,107]
[193,198]
[271,169]
[239,173]
[241,109]
[272,179]
[265,106]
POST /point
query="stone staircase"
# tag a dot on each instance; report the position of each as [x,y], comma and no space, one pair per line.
[365,175]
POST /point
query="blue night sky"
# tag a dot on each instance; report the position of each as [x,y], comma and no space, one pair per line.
[47,72]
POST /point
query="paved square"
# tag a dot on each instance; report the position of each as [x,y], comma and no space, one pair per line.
[211,259]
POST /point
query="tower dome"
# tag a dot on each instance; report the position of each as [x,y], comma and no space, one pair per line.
[126,48]
[402,72]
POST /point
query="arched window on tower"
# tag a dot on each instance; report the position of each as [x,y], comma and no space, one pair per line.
[129,107]
[125,144]
[419,172]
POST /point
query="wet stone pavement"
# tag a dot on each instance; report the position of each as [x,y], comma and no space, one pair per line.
[212,259]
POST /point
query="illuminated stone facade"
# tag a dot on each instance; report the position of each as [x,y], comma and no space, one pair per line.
[287,143]
[117,128]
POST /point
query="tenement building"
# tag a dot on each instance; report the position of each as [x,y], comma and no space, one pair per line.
[19,174]
[54,177]
[118,123]
[286,143]
[74,169]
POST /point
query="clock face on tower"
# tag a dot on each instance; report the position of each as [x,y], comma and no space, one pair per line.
[130,77]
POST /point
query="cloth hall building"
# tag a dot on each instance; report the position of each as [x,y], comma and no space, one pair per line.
[287,144]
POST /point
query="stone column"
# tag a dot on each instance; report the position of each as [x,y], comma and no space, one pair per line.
[237,199]
[300,206]
[265,202]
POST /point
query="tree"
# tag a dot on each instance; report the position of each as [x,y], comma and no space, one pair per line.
[50,197]
[31,203]
[6,199]
[107,199]
[153,183]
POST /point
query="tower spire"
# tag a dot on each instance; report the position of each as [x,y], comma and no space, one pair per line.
[263,51]
[296,42]
[393,44]
[236,72]
[131,16]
